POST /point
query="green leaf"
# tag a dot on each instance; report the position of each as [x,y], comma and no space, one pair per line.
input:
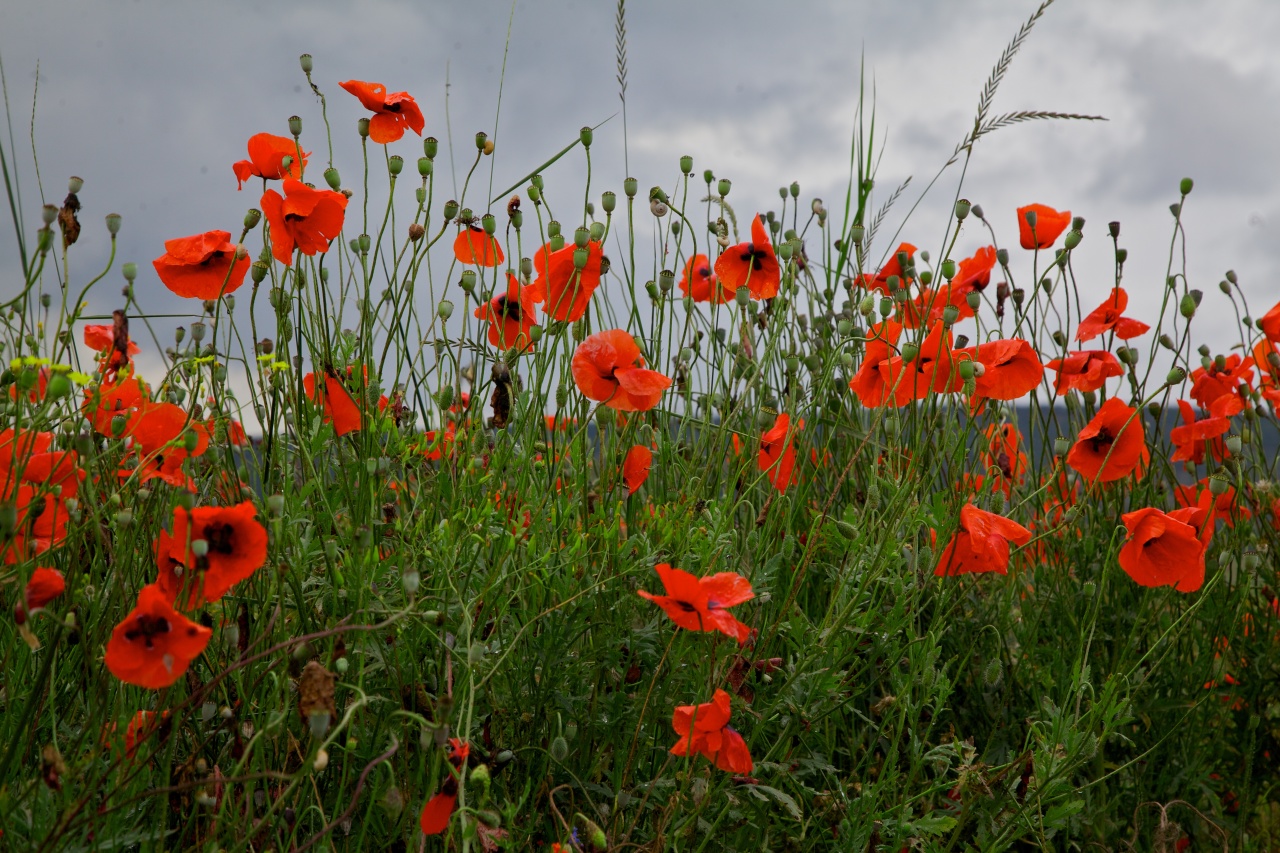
[764,793]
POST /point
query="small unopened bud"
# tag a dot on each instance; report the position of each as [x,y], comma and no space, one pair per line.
[1185,186]
[1122,255]
[1167,342]
[1187,306]
[909,353]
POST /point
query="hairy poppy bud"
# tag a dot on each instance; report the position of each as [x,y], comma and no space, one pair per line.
[1232,277]
[559,749]
[1031,218]
[723,186]
[1167,342]
[59,386]
[1185,186]
[909,353]
[113,223]
[1002,257]
[1127,355]
[1073,239]
[962,209]
[129,271]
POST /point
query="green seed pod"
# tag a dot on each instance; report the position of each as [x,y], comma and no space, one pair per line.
[113,223]
[295,126]
[553,229]
[962,209]
[723,187]
[742,297]
[489,223]
[666,281]
[362,128]
[1176,376]
[444,310]
[608,201]
[949,315]
[450,209]
[1061,446]
[585,136]
[1233,442]
[630,187]
[580,258]
[306,63]
[129,271]
[430,146]
[1073,239]
[1218,484]
[686,164]
[468,281]
[395,164]
[909,353]
[581,236]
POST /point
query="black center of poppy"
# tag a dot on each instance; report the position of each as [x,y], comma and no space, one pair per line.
[293,217]
[705,272]
[753,255]
[147,626]
[392,108]
[508,309]
[1102,441]
[213,256]
[686,606]
[221,538]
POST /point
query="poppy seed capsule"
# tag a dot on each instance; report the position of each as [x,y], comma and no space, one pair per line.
[395,164]
[489,223]
[468,281]
[364,242]
[129,271]
[962,209]
[1122,255]
[1073,239]
[723,187]
[49,213]
[305,62]
[295,126]
[430,146]
[481,139]
[1218,484]
[444,310]
[1187,306]
[585,136]
[416,232]
[1234,443]
[948,269]
[113,223]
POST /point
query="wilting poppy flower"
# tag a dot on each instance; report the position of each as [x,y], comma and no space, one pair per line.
[266,159]
[1010,368]
[102,339]
[438,810]
[510,315]
[635,468]
[1111,446]
[302,219]
[1106,318]
[705,729]
[880,281]
[392,113]
[1087,370]
[701,604]
[44,585]
[202,266]
[1269,323]
[154,644]
[932,370]
[157,432]
[474,246]
[868,383]
[608,368]
[1163,549]
[752,265]
[700,284]
[980,544]
[1222,376]
[564,290]
[1048,228]
[1193,436]
[141,727]
[235,546]
[339,406]
[777,456]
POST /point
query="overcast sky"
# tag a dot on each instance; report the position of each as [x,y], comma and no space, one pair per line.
[151,102]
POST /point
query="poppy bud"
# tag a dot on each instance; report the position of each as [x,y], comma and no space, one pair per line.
[1030,217]
[124,518]
[1122,255]
[652,290]
[909,353]
[1187,307]
[962,209]
[1127,355]
[1185,186]
[1176,376]
[559,749]
[1019,296]
[1073,239]
[1167,342]
[129,271]
[444,310]
[59,386]
[468,281]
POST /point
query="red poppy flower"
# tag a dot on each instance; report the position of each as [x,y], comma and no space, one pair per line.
[1005,454]
[437,445]
[392,113]
[705,729]
[702,604]
[1111,446]
[560,285]
[608,368]
[1222,376]
[339,406]
[1191,439]
[1086,370]
[932,369]
[868,383]
[700,284]
[436,813]
[777,456]
[474,246]
[141,727]
[1049,226]
[154,644]
[302,219]
[1106,318]
[157,432]
[266,159]
[102,339]
[635,468]
[235,546]
[974,273]
[980,544]
[1269,323]
[1010,369]
[43,586]
[202,266]
[1224,505]
[113,398]
[1163,549]
[880,281]
[752,265]
[510,315]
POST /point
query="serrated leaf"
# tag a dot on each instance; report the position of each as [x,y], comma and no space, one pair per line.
[764,793]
